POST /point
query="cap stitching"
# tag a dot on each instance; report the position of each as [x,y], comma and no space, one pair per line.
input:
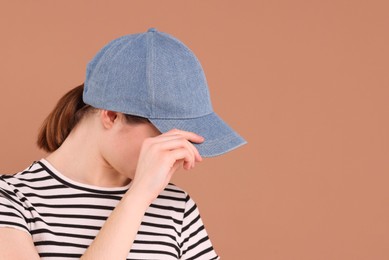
[152,68]
[148,64]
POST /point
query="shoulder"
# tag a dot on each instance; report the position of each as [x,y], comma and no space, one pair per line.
[176,193]
[24,182]
[173,189]
[12,184]
[28,175]
[14,205]
[172,198]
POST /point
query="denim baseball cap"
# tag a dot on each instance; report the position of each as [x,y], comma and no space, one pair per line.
[154,75]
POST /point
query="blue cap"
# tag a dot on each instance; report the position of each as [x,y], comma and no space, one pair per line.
[154,75]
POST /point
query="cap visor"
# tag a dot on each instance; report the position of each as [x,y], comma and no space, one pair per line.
[219,137]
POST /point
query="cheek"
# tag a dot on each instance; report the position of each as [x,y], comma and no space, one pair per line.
[126,152]
[126,156]
[117,153]
[122,148]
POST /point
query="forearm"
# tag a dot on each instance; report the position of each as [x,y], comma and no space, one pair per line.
[117,235]
[159,158]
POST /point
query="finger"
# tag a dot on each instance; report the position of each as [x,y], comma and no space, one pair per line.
[193,137]
[173,135]
[183,154]
[190,136]
[179,143]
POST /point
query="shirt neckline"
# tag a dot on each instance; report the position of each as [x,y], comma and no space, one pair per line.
[78,185]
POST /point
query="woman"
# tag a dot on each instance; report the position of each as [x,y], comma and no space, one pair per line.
[114,142]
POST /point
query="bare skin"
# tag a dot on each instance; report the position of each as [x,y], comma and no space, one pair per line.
[108,152]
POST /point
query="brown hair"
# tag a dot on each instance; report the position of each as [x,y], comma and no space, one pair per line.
[69,110]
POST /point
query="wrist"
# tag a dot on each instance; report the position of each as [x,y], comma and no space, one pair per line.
[140,196]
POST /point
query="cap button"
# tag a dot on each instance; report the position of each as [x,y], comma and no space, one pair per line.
[152,30]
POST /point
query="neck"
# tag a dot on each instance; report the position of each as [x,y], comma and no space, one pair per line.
[78,159]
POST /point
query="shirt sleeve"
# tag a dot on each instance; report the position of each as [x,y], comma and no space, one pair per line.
[195,243]
[12,211]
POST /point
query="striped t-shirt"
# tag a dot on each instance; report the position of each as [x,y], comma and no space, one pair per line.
[63,216]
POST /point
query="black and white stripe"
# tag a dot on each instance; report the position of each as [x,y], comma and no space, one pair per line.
[63,216]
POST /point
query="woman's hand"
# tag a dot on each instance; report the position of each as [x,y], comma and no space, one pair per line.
[161,156]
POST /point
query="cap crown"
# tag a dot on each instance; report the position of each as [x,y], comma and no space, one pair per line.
[151,74]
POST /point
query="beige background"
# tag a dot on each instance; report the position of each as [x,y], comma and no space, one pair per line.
[305,82]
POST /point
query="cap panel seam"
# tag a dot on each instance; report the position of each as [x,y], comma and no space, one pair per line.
[149,71]
[152,68]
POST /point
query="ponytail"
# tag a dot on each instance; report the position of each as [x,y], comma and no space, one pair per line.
[65,116]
